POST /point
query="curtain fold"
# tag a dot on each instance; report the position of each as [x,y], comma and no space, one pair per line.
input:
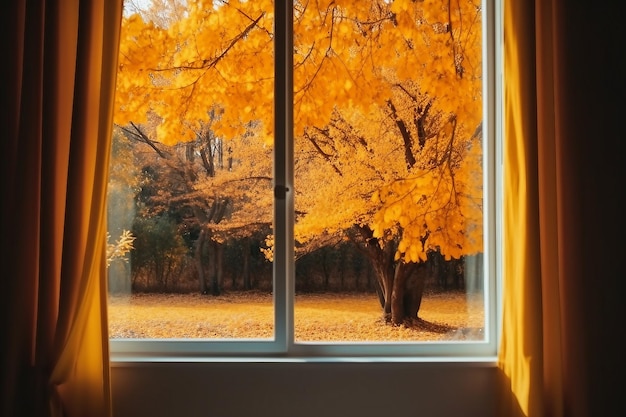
[60,83]
[520,351]
[563,148]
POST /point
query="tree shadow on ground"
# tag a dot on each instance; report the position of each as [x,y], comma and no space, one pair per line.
[454,333]
[429,326]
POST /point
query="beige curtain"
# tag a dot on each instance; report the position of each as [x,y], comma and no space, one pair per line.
[58,88]
[563,140]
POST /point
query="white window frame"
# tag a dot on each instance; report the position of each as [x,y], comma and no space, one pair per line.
[283,346]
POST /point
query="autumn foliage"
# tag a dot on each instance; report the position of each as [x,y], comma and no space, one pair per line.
[387,122]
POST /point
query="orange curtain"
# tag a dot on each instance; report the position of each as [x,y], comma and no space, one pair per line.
[58,93]
[563,147]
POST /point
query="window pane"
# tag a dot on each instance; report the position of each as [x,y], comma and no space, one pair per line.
[388,171]
[388,162]
[191,172]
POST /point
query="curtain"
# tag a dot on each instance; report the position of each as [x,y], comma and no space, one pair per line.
[560,352]
[58,88]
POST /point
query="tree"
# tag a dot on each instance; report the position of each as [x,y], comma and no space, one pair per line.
[416,150]
[158,250]
[213,192]
[387,113]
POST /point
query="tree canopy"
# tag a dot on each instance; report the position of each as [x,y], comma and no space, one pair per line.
[370,78]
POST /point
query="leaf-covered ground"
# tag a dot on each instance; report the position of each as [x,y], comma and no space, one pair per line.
[318,317]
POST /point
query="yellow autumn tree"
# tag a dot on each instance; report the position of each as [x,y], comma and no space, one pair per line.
[387,117]
[398,166]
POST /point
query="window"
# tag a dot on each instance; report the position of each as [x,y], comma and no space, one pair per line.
[342,141]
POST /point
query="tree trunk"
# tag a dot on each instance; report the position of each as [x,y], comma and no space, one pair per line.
[407,289]
[397,294]
[215,267]
[414,289]
[219,269]
[400,284]
[246,265]
[198,261]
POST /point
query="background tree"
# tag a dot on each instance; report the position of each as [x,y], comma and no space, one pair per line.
[213,193]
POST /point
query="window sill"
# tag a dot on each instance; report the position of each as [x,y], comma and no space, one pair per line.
[124,361]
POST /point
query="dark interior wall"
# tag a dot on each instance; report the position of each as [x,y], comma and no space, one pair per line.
[304,389]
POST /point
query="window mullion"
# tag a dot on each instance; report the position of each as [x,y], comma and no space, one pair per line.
[283,174]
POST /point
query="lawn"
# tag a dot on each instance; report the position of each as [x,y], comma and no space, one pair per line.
[318,317]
